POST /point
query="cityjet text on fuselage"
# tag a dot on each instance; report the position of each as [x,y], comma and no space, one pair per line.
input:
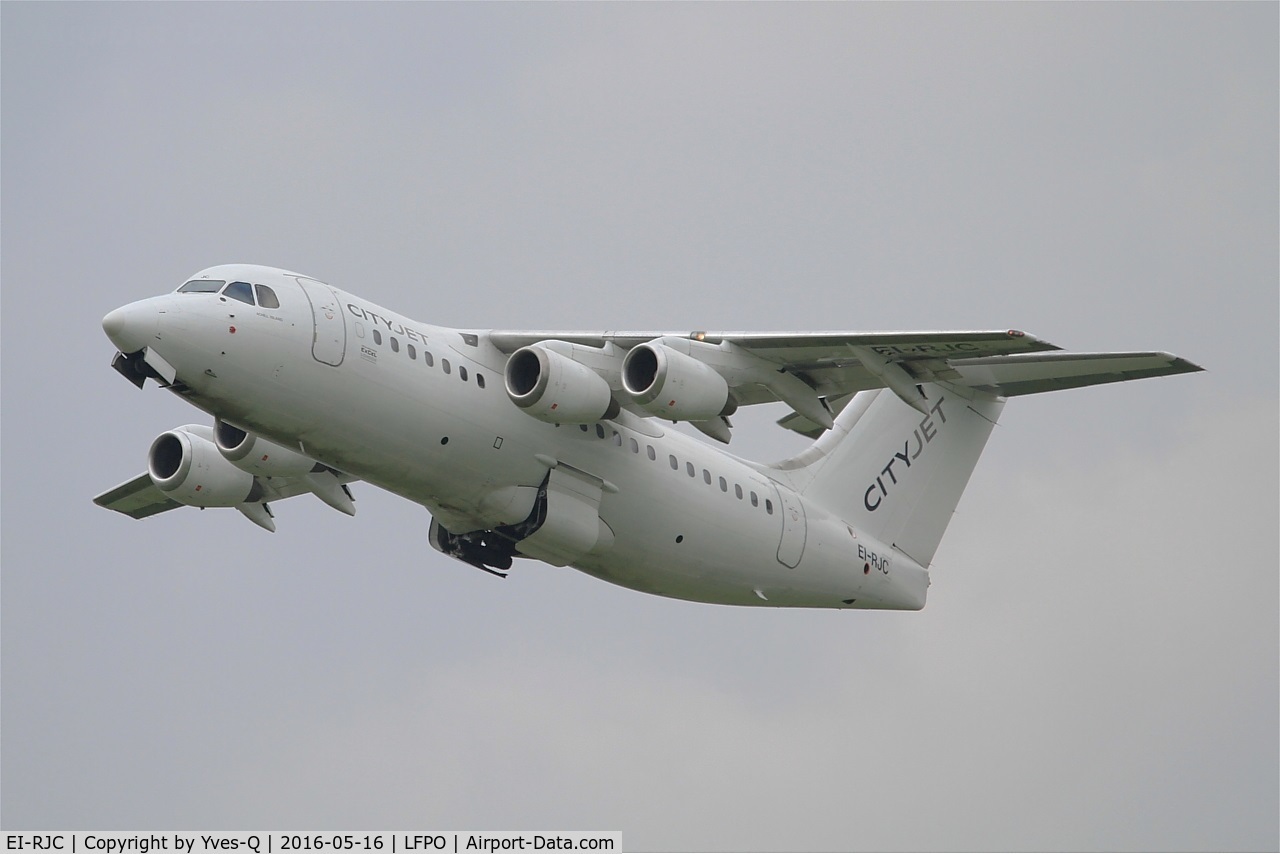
[393,326]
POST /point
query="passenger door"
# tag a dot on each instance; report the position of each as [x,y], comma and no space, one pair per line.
[329,343]
[794,528]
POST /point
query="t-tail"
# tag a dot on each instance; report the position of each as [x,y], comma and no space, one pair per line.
[894,472]
[898,458]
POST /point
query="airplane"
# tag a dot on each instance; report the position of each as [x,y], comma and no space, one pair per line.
[558,446]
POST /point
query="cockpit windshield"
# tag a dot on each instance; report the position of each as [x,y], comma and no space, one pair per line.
[201,286]
[241,291]
[267,297]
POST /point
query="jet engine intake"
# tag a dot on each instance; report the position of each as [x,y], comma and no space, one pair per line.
[554,388]
[259,456]
[672,385]
[190,470]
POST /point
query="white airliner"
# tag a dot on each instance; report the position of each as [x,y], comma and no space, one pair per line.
[557,445]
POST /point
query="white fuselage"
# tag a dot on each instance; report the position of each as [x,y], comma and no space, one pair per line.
[422,412]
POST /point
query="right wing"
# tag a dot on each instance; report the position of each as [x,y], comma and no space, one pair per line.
[816,372]
[830,363]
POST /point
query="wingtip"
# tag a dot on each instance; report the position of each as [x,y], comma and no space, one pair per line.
[1187,366]
[1179,365]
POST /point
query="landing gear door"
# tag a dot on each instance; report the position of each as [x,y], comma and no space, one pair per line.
[329,342]
[794,529]
[572,526]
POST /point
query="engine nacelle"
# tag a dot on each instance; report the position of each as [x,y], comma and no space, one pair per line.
[554,388]
[258,456]
[190,470]
[672,385]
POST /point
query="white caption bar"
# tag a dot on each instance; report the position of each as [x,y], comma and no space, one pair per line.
[275,842]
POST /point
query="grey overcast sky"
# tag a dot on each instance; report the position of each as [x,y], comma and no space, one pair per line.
[1097,667]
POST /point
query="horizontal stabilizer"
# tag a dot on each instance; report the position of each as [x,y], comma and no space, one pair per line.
[1032,373]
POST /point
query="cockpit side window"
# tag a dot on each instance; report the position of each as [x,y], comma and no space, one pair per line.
[240,291]
[266,297]
[201,286]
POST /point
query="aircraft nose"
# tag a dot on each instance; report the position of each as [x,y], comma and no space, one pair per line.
[125,327]
[114,323]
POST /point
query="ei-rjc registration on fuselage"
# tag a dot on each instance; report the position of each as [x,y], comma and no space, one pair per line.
[557,446]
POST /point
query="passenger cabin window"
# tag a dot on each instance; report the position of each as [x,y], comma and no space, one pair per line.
[444,365]
[242,291]
[480,379]
[266,297]
[395,344]
[428,358]
[462,373]
[201,286]
[413,353]
[377,337]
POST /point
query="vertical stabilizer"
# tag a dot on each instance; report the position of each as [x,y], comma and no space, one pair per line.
[896,473]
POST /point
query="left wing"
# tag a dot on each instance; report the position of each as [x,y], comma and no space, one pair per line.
[138,498]
[192,466]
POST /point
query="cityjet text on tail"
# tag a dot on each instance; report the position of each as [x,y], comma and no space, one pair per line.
[557,446]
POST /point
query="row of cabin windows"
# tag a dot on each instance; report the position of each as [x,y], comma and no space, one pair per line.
[688,467]
[429,359]
[242,291]
[600,431]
